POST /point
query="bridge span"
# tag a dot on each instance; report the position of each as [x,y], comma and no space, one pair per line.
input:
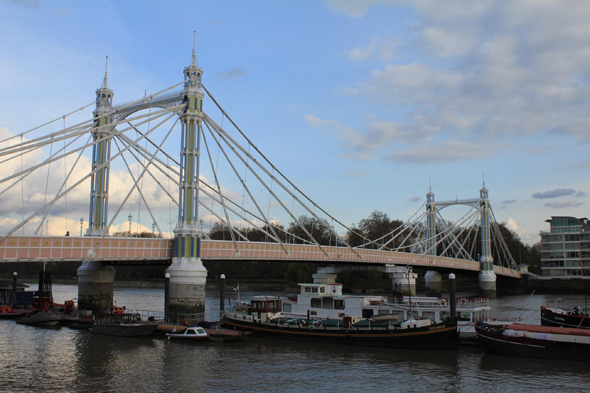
[134,250]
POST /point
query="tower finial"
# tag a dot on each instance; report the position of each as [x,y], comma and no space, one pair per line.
[105,84]
[194,62]
[483,174]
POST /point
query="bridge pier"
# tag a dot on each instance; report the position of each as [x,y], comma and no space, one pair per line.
[403,281]
[95,286]
[433,282]
[188,277]
[487,283]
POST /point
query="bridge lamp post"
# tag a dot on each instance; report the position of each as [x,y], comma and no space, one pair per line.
[201,222]
[130,218]
[153,229]
[81,224]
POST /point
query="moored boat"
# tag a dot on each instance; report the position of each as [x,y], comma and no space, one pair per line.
[6,312]
[574,317]
[194,333]
[535,341]
[327,301]
[123,325]
[264,318]
[39,318]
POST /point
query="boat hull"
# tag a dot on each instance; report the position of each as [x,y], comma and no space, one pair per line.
[438,336]
[549,317]
[39,318]
[498,344]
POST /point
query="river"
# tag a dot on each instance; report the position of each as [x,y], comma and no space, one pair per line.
[34,359]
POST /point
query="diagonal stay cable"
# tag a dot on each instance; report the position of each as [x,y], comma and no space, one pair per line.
[246,189]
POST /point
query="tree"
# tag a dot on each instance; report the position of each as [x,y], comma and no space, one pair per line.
[319,231]
[378,225]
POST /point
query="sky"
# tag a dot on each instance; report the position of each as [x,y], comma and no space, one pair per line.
[363,104]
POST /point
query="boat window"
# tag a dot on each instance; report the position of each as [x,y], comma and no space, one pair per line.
[201,331]
[308,289]
[367,313]
[287,307]
[328,303]
[190,331]
[322,289]
[316,302]
[339,304]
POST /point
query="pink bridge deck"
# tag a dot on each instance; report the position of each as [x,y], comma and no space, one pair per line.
[73,248]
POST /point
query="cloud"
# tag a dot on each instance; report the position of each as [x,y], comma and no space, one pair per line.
[586,165]
[580,194]
[231,74]
[384,50]
[508,202]
[355,8]
[447,151]
[415,199]
[486,72]
[560,204]
[554,193]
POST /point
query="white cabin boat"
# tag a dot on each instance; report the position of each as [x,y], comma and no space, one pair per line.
[326,301]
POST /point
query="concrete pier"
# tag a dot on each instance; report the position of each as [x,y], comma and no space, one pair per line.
[188,277]
[433,283]
[95,286]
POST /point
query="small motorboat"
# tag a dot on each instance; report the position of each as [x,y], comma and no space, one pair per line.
[123,325]
[39,318]
[191,333]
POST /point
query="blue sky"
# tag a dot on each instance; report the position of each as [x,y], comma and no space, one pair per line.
[361,103]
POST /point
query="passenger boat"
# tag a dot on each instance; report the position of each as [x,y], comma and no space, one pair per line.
[535,341]
[195,333]
[574,317]
[327,301]
[124,325]
[39,318]
[266,316]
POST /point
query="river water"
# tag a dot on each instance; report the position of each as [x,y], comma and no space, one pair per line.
[34,359]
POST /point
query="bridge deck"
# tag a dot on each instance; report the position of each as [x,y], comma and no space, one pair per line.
[73,249]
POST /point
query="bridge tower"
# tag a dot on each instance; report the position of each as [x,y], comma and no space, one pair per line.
[95,281]
[487,277]
[432,279]
[187,273]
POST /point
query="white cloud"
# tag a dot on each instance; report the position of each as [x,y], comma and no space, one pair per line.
[384,50]
[491,72]
[561,204]
[446,151]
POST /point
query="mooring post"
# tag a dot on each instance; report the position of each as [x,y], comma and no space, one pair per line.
[166,296]
[14,275]
[452,296]
[222,295]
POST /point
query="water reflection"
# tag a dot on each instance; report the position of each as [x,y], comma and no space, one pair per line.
[35,359]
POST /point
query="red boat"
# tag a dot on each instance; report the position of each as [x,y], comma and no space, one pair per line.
[7,313]
[535,341]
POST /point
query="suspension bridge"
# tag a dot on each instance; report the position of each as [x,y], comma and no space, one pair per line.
[121,155]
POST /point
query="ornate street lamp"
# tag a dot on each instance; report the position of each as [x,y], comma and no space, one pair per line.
[130,218]
[153,229]
[81,224]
